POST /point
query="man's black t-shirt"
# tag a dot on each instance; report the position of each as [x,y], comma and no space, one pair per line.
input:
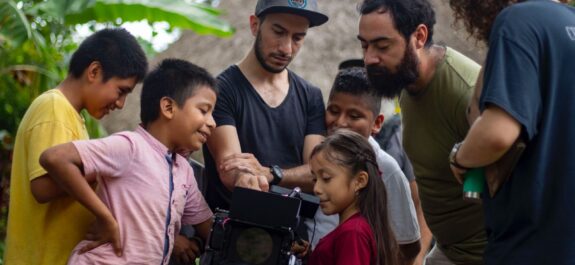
[275,136]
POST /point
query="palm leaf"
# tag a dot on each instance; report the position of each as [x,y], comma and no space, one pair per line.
[14,25]
[199,18]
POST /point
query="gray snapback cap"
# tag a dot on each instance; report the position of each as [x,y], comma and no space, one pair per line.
[305,8]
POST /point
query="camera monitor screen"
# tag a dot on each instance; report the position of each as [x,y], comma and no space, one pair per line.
[263,208]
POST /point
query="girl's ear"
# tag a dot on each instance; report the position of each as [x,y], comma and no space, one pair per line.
[167,107]
[361,180]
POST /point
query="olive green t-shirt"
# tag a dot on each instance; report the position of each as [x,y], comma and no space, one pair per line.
[434,120]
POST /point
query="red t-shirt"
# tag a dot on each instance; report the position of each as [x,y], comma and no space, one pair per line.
[351,243]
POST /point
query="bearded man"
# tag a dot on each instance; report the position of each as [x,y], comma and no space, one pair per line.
[435,84]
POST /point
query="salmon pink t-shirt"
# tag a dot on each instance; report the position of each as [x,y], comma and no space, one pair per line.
[151,192]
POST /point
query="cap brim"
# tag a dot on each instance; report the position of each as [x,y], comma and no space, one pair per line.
[315,18]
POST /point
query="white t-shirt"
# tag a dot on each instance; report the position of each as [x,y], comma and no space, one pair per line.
[401,211]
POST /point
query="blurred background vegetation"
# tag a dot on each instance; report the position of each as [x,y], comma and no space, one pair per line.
[37,38]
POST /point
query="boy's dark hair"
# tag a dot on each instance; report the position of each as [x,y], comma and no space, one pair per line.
[354,81]
[353,152]
[173,78]
[406,15]
[116,50]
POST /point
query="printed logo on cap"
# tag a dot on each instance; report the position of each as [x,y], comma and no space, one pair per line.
[297,3]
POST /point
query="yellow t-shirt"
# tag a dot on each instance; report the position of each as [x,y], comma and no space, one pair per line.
[43,233]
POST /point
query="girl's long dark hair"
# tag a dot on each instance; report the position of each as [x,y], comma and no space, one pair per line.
[353,151]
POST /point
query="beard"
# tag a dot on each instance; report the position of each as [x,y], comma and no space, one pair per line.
[388,84]
[261,57]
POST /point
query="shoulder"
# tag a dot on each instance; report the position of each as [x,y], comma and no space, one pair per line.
[462,67]
[228,77]
[530,18]
[528,9]
[355,227]
[52,107]
[302,83]
[229,72]
[51,102]
[385,162]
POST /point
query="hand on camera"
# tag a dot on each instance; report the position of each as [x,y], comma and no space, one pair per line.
[245,163]
[185,251]
[300,248]
[251,181]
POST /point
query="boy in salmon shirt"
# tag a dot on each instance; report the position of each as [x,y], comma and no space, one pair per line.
[147,190]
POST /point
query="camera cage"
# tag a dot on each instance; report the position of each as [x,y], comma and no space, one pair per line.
[259,228]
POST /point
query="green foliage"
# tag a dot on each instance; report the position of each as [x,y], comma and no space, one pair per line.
[198,17]
[36,42]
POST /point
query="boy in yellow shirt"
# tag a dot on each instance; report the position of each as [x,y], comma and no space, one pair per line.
[44,225]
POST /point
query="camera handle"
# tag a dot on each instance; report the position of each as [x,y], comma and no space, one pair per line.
[295,193]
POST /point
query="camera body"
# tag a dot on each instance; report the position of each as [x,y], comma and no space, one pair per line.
[259,228]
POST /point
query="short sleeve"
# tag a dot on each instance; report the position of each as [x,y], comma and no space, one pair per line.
[196,210]
[407,167]
[107,156]
[226,103]
[511,81]
[42,137]
[315,113]
[353,248]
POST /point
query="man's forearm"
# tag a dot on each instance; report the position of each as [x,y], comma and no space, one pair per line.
[409,252]
[298,177]
[491,135]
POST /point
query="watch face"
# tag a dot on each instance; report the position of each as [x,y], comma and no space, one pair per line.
[453,152]
[277,174]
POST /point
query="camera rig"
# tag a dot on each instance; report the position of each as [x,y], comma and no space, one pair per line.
[259,228]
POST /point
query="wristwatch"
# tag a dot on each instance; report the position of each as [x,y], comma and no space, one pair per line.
[277,175]
[452,156]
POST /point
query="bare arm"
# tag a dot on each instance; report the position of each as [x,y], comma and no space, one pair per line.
[223,143]
[426,236]
[409,252]
[64,165]
[292,177]
[490,136]
[45,189]
[301,176]
[187,250]
[203,229]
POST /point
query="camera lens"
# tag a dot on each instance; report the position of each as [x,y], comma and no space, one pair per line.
[254,245]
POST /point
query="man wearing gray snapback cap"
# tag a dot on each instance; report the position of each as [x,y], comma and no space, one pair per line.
[268,118]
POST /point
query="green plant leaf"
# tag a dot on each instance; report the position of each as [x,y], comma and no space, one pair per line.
[199,18]
[14,25]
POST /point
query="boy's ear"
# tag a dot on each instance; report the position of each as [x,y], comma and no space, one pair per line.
[167,107]
[361,180]
[377,124]
[94,72]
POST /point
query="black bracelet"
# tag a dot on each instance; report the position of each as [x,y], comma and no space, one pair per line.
[200,242]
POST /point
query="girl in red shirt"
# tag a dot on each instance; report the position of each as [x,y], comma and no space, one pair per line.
[348,183]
